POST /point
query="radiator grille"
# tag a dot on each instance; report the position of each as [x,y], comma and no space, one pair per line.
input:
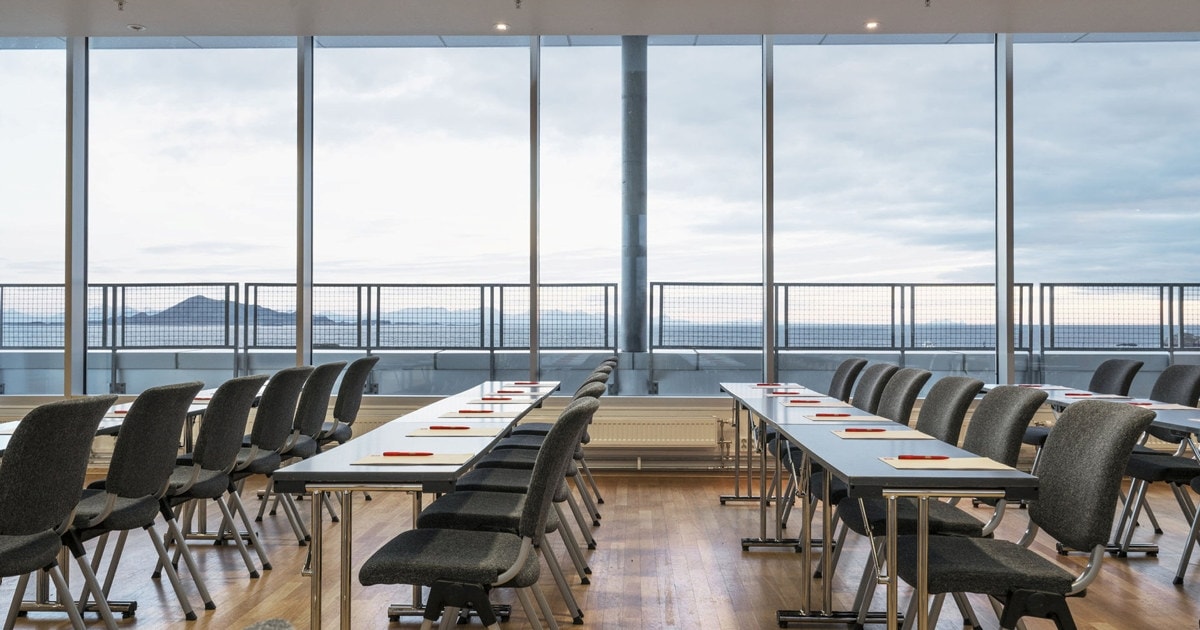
[653,432]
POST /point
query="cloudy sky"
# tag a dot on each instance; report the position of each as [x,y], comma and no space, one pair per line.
[884,164]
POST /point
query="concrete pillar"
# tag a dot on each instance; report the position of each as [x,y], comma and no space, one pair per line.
[634,277]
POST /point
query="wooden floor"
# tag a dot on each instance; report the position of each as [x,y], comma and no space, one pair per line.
[668,556]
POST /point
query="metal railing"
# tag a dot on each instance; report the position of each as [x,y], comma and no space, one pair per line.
[1133,317]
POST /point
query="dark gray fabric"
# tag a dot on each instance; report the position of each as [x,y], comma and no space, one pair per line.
[1178,384]
[981,565]
[44,465]
[127,512]
[40,476]
[1000,420]
[842,383]
[350,392]
[1167,468]
[1035,436]
[900,394]
[1114,376]
[424,556]
[553,460]
[870,386]
[314,399]
[224,422]
[1081,467]
[502,480]
[524,441]
[945,407]
[487,511]
[277,408]
[532,428]
[148,441]
[590,389]
[944,519]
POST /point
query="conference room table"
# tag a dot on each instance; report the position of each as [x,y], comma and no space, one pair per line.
[393,458]
[898,462]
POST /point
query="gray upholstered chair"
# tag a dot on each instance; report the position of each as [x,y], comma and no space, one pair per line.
[302,443]
[128,497]
[461,566]
[43,468]
[348,401]
[1113,376]
[204,474]
[842,383]
[871,382]
[260,452]
[900,394]
[1079,480]
[945,407]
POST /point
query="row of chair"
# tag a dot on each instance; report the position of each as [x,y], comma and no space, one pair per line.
[490,532]
[148,477]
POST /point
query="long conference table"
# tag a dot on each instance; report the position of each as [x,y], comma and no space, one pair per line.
[426,450]
[846,443]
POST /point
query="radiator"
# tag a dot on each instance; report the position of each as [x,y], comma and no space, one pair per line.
[658,432]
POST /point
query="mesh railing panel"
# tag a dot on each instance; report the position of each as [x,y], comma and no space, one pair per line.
[710,316]
[1189,324]
[575,316]
[31,316]
[952,316]
[837,316]
[1085,316]
[431,316]
[270,316]
[341,316]
[174,315]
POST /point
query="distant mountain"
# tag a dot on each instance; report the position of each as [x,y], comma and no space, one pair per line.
[202,311]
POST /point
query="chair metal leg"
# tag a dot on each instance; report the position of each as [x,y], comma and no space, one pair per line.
[538,595]
[64,597]
[555,570]
[572,546]
[172,575]
[91,583]
[968,613]
[174,533]
[581,521]
[227,523]
[236,498]
[23,583]
[587,472]
[586,497]
[293,513]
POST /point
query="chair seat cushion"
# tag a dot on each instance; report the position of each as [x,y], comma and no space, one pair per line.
[517,458]
[483,511]
[127,513]
[304,448]
[1162,468]
[523,441]
[532,428]
[341,434]
[425,556]
[209,484]
[264,463]
[1035,436]
[23,553]
[981,565]
[502,480]
[944,519]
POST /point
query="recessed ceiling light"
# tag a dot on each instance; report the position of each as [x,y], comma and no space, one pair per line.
[871,25]
[137,28]
[501,26]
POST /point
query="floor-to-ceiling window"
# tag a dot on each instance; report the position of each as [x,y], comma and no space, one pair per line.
[32,198]
[421,191]
[191,198]
[704,209]
[1106,191]
[884,180]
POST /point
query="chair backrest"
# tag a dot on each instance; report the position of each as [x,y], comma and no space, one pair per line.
[277,408]
[900,394]
[314,398]
[224,422]
[946,406]
[350,392]
[45,463]
[870,386]
[1080,470]
[842,383]
[592,389]
[550,467]
[593,378]
[1000,420]
[1179,384]
[1114,376]
[148,442]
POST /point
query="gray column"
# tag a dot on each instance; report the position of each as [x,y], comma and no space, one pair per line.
[75,296]
[304,200]
[634,278]
[1005,354]
[770,364]
[535,143]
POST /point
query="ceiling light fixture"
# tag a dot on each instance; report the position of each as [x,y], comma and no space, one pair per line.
[871,25]
[501,26]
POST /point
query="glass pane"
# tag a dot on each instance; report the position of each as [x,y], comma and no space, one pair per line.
[884,206]
[32,172]
[422,171]
[192,195]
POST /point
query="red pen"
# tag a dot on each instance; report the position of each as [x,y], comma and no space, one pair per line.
[446,427]
[406,454]
[510,391]
[121,411]
[1077,394]
[525,382]
[923,457]
[863,430]
[497,398]
[1143,404]
[801,400]
[474,411]
[832,415]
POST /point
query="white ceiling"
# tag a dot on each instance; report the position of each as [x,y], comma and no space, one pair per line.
[58,18]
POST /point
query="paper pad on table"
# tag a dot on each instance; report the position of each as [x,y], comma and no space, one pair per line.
[465,432]
[815,402]
[952,463]
[8,430]
[817,417]
[1164,406]
[439,459]
[1040,386]
[479,413]
[886,434]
